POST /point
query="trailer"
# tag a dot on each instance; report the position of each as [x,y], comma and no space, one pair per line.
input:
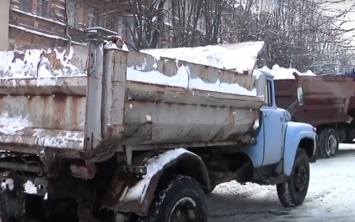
[102,133]
[326,102]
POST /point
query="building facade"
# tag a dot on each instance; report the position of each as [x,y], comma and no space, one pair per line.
[49,23]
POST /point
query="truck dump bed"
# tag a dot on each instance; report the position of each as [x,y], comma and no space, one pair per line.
[90,100]
[325,98]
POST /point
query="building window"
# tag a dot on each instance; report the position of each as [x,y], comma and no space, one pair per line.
[93,14]
[26,6]
[72,13]
[43,8]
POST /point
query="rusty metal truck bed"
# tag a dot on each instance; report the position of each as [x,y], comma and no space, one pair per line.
[325,98]
[87,101]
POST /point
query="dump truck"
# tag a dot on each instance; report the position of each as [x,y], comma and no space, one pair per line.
[324,101]
[100,133]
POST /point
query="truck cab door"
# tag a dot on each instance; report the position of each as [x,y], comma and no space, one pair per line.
[273,126]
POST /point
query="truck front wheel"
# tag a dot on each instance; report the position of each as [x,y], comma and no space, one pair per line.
[182,199]
[294,191]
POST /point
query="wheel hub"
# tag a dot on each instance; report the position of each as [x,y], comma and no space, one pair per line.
[183,211]
[332,144]
[301,178]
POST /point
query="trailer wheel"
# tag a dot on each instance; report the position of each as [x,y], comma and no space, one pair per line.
[328,143]
[293,192]
[182,199]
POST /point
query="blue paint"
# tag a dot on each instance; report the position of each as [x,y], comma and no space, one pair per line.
[279,137]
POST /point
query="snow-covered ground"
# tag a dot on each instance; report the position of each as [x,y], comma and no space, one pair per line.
[330,197]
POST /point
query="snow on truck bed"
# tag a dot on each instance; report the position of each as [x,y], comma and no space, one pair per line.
[280,73]
[34,63]
[46,65]
[239,57]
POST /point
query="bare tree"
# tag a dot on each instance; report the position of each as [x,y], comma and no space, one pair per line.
[302,34]
[185,22]
[144,21]
[305,34]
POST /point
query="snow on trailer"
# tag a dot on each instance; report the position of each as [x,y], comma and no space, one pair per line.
[77,99]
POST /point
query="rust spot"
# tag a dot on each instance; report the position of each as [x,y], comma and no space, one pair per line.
[76,111]
[231,116]
[18,55]
[179,64]
[53,60]
[203,75]
[59,110]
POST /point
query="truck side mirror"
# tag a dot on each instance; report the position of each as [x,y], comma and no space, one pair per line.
[300,97]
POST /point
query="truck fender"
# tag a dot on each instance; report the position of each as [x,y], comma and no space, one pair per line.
[297,136]
[132,194]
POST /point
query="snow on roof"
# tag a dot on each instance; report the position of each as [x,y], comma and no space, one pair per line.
[285,73]
[240,57]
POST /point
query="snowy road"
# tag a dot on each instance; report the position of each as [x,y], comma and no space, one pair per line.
[331,196]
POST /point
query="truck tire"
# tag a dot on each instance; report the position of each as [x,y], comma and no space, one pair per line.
[293,192]
[182,199]
[328,143]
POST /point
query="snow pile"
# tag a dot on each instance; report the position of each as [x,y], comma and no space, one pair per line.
[8,184]
[15,125]
[285,73]
[38,63]
[111,45]
[60,140]
[12,124]
[183,79]
[30,187]
[239,57]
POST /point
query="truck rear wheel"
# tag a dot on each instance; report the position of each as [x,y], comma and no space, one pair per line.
[182,199]
[294,191]
[328,143]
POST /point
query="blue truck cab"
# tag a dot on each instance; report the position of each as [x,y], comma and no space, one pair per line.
[283,150]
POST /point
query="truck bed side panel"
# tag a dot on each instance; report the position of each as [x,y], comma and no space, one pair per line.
[326,98]
[58,97]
